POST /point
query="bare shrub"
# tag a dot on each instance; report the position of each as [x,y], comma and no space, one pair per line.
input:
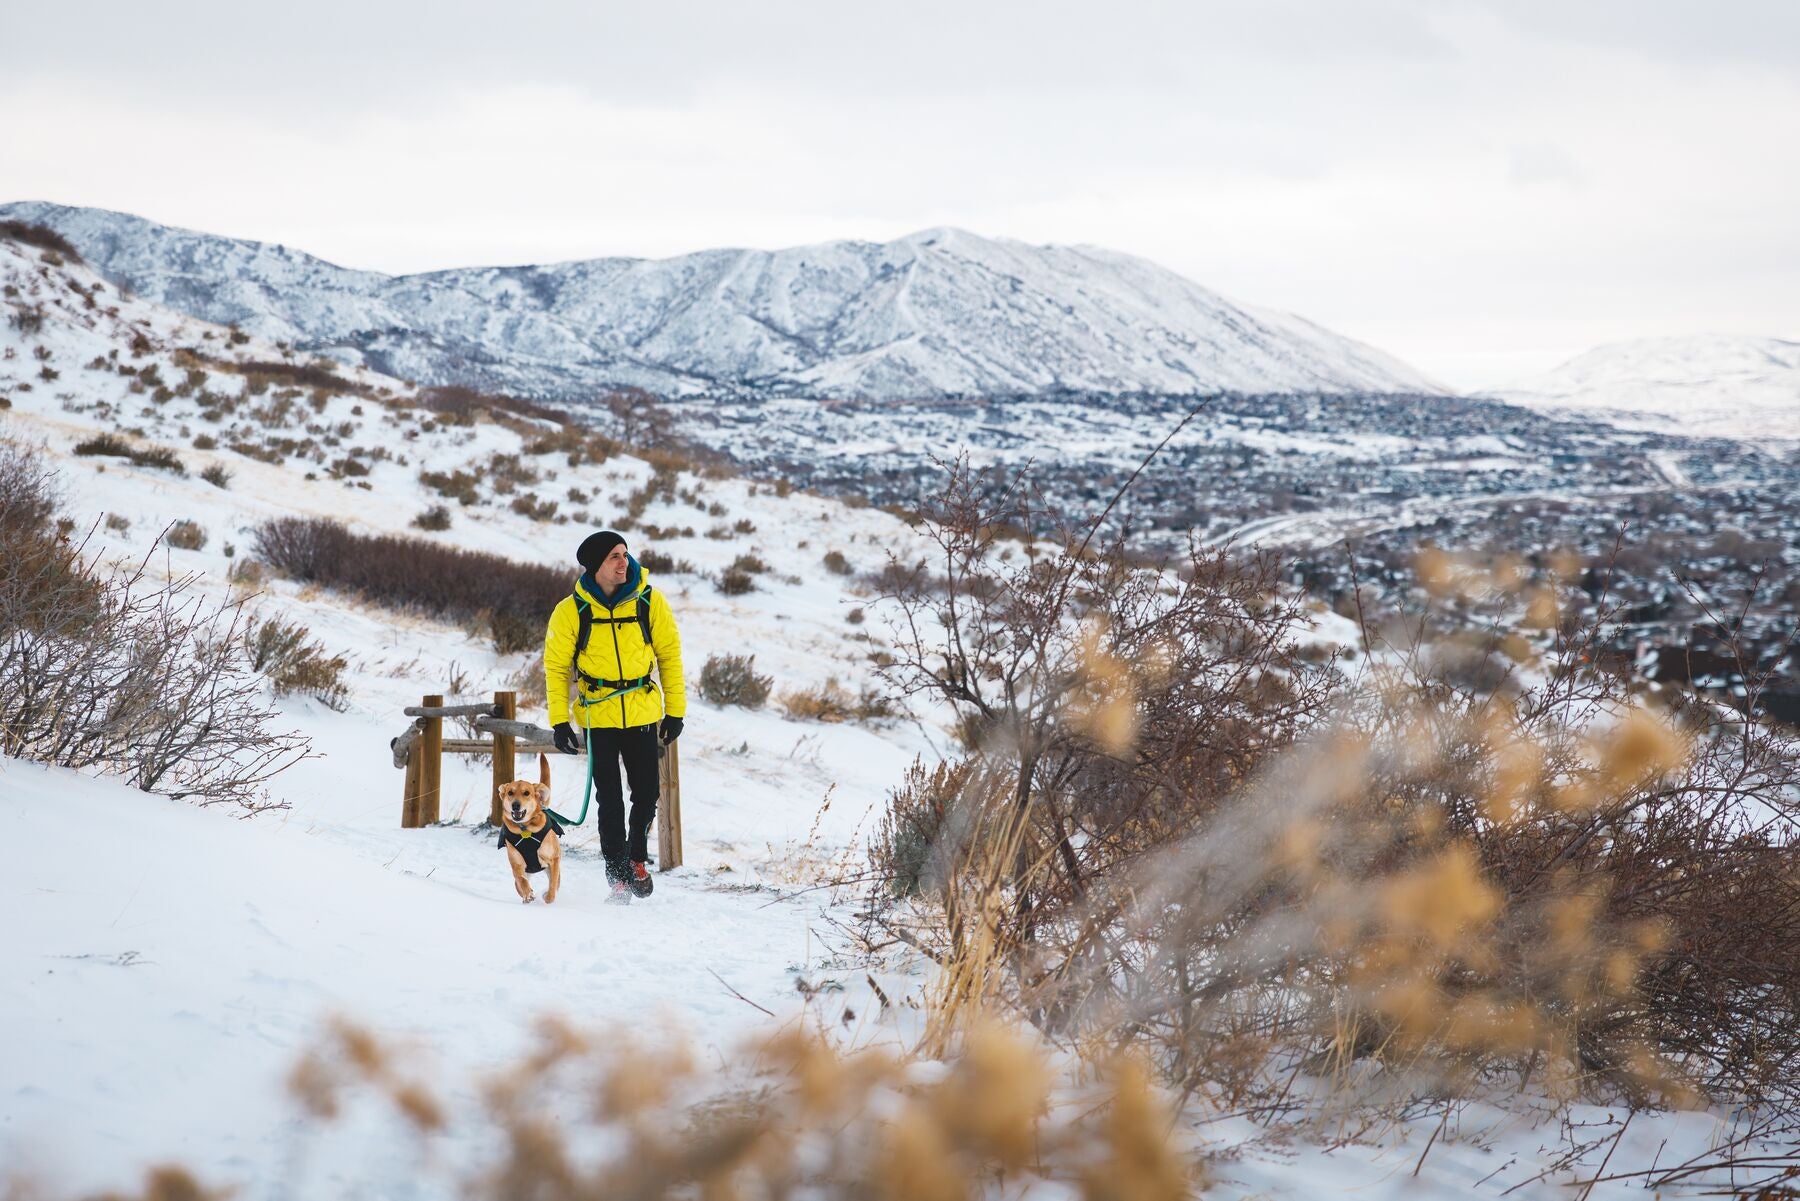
[507,473]
[263,374]
[837,564]
[111,445]
[734,680]
[218,475]
[461,405]
[657,561]
[831,702]
[918,847]
[186,535]
[102,669]
[783,1117]
[29,233]
[260,451]
[512,600]
[536,508]
[294,662]
[528,681]
[1167,836]
[733,582]
[750,563]
[460,486]
[436,518]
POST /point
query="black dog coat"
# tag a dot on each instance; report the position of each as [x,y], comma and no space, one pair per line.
[527,844]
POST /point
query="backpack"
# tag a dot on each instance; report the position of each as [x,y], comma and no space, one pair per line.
[584,613]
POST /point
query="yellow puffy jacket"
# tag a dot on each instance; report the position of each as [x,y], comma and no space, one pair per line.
[616,651]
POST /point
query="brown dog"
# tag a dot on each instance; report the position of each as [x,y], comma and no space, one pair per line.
[529,834]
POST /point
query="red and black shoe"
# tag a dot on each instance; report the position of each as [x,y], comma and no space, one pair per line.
[642,885]
[621,893]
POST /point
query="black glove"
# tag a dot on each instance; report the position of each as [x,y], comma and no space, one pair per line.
[566,742]
[671,729]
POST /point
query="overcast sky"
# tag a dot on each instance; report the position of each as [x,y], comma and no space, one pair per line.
[1483,188]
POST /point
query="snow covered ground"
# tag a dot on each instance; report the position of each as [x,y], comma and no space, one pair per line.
[162,965]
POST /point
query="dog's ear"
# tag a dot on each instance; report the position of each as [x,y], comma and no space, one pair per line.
[543,769]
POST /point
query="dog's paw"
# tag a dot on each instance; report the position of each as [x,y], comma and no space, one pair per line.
[549,898]
[528,898]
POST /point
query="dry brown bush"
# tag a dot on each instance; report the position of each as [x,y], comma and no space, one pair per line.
[294,662]
[101,669]
[662,564]
[186,535]
[734,680]
[511,600]
[111,445]
[29,233]
[735,582]
[831,702]
[529,504]
[794,1119]
[459,485]
[261,374]
[1173,831]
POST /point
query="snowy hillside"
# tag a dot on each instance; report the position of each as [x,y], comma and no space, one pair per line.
[163,965]
[940,313]
[1705,384]
[175,959]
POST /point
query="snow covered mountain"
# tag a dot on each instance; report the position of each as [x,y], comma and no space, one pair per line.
[1704,384]
[938,314]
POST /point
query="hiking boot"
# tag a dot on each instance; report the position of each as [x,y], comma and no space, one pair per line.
[621,893]
[642,885]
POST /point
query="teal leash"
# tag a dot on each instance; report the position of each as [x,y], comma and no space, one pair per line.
[587,789]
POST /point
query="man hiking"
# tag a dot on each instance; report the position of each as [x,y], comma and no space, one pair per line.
[608,635]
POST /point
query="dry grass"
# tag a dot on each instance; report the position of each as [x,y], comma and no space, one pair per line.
[1174,835]
[832,703]
[286,652]
[734,680]
[785,1118]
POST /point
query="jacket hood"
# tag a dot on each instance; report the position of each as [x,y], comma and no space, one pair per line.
[636,580]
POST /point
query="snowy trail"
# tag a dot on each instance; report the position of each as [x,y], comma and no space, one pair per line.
[173,961]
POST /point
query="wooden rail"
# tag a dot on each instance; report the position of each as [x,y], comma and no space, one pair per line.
[421,747]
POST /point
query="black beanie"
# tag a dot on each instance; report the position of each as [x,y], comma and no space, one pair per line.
[595,547]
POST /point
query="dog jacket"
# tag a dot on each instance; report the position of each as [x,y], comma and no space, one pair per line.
[527,843]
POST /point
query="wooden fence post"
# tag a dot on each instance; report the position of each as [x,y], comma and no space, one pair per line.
[668,826]
[409,806]
[431,767]
[506,705]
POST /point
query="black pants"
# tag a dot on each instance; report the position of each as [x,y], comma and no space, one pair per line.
[637,746]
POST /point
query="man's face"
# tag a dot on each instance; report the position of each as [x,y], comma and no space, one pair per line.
[614,568]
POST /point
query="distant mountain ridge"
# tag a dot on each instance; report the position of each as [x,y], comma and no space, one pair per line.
[1718,384]
[939,314]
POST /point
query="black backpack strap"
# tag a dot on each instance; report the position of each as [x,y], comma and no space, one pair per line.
[584,613]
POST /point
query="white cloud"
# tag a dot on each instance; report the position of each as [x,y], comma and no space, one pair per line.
[1470,192]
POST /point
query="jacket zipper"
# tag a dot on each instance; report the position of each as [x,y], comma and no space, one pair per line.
[619,661]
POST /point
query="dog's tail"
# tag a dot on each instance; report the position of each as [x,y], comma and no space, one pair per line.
[543,769]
